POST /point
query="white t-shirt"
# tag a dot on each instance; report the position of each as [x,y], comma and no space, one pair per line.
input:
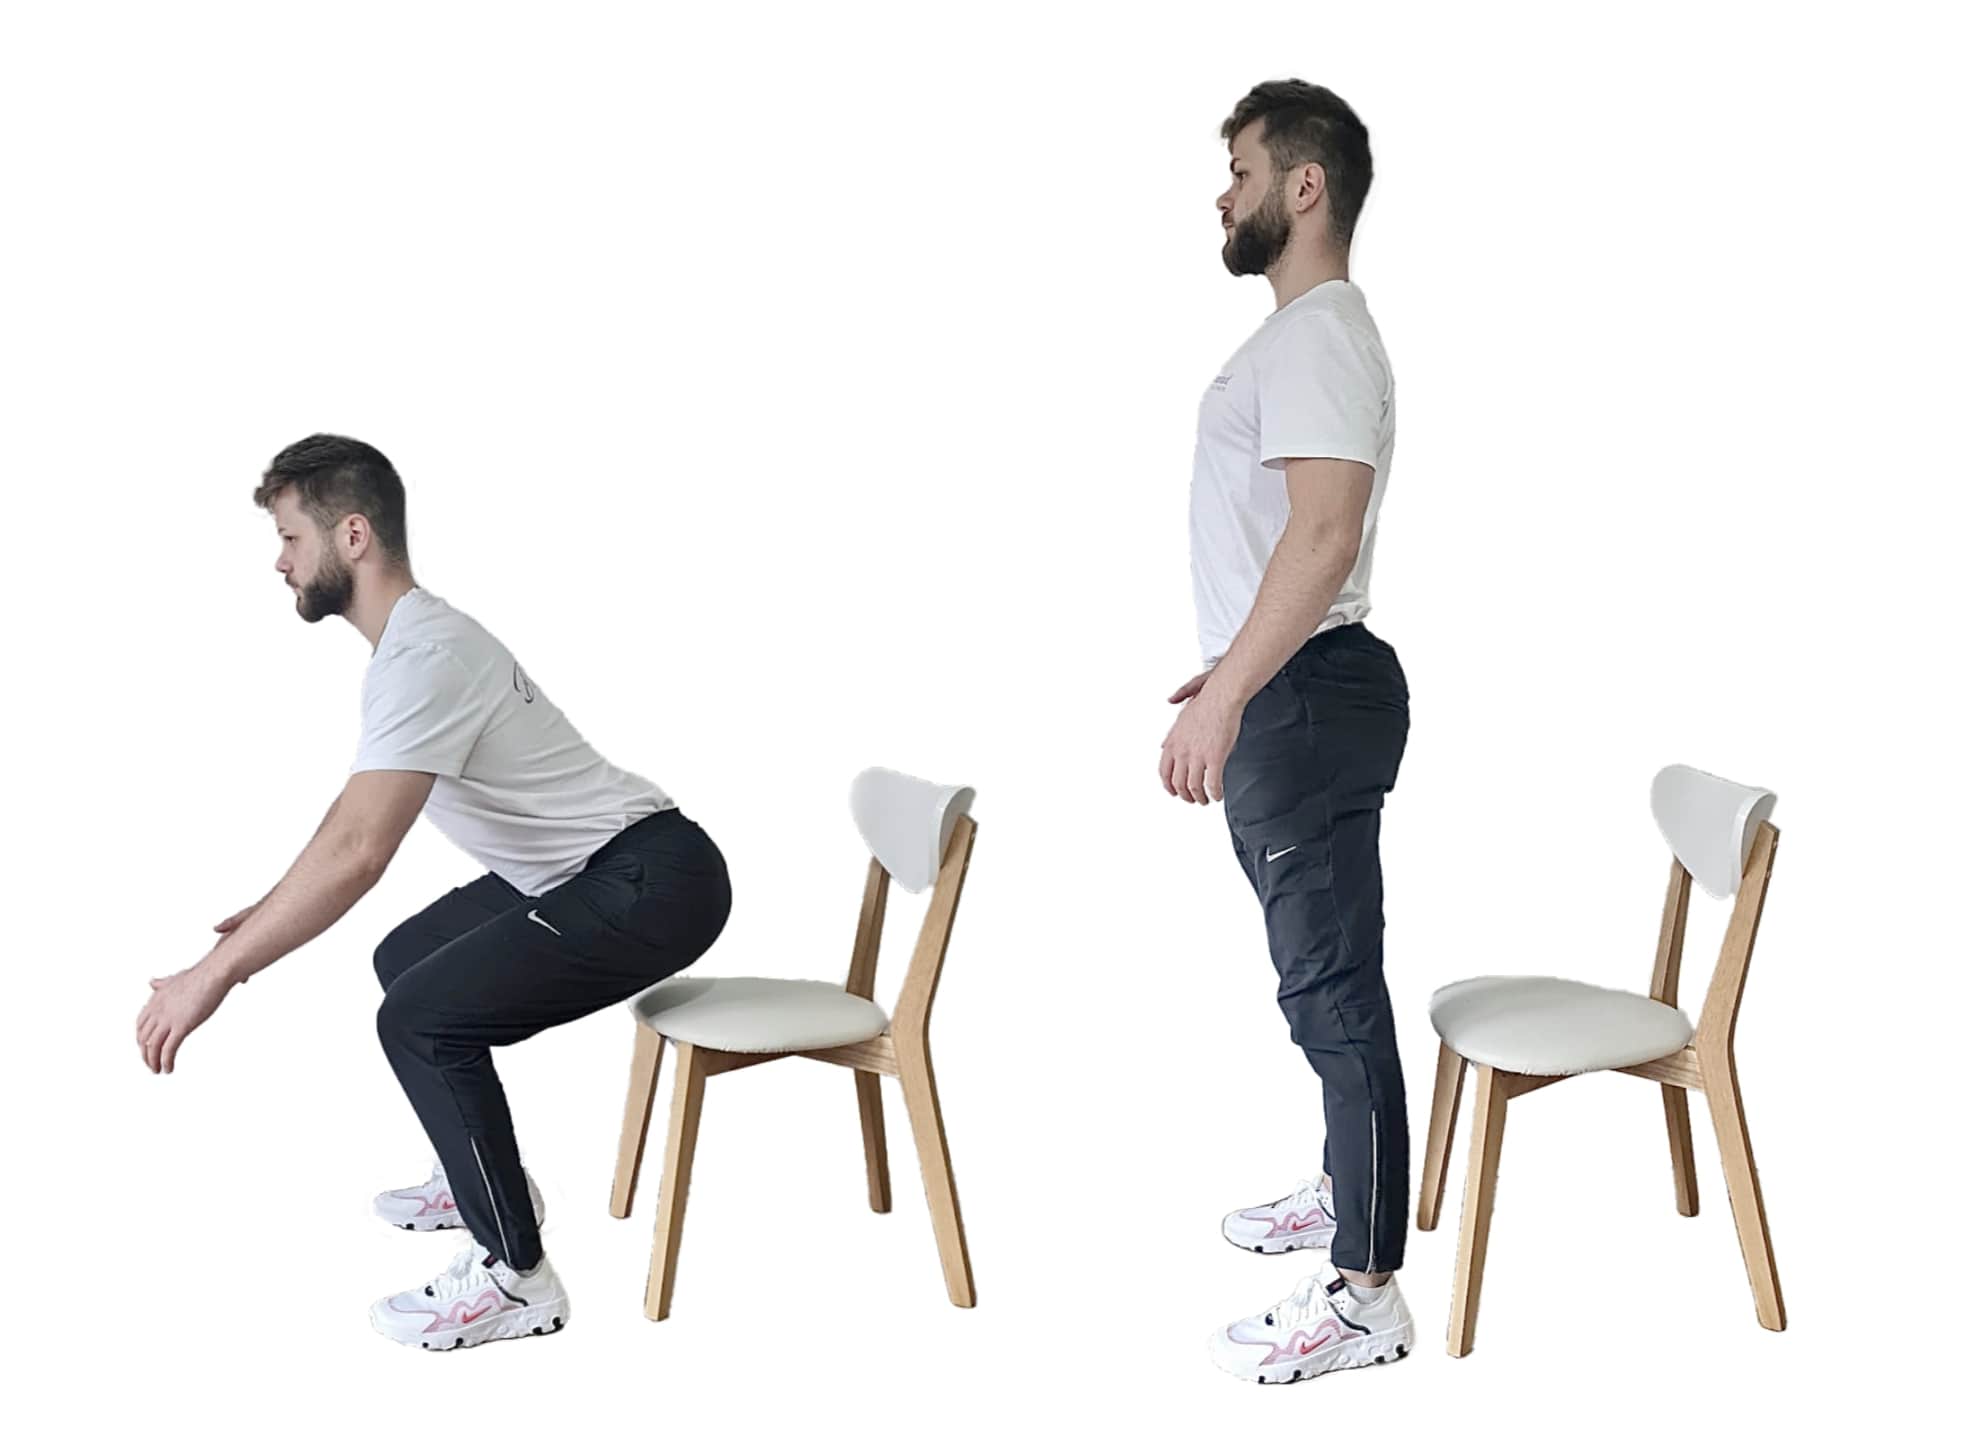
[1313,382]
[517,788]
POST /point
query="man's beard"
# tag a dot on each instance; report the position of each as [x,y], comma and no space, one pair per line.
[1257,240]
[331,592]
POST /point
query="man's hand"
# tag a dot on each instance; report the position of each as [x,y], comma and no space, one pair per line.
[178,1006]
[1202,738]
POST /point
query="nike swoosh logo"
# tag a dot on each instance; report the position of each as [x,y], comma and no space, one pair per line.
[487,1304]
[1275,855]
[535,916]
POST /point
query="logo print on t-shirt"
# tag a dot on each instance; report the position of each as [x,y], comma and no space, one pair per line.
[522,684]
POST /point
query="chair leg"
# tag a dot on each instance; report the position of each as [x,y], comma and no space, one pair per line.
[643,1063]
[687,1100]
[1487,1134]
[1682,1159]
[1754,1237]
[1443,1124]
[875,1142]
[934,1155]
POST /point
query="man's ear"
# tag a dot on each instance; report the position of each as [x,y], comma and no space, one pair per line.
[1312,184]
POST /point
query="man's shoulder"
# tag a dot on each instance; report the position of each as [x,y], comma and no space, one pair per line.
[413,665]
[437,625]
[1341,332]
[1343,314]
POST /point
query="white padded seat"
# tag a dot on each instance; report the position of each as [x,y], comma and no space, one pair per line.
[1542,1025]
[757,1013]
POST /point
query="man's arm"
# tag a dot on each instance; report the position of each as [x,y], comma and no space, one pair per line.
[1314,556]
[231,923]
[347,855]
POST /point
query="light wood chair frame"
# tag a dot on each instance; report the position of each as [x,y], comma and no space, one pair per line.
[902,1052]
[1705,1064]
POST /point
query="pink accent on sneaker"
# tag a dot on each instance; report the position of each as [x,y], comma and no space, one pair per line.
[1303,1342]
[461,1313]
[1294,1224]
[443,1204]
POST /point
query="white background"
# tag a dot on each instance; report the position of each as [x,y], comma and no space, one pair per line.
[800,390]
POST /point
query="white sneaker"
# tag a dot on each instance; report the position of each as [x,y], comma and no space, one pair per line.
[479,1297]
[1303,1220]
[430,1206]
[1323,1325]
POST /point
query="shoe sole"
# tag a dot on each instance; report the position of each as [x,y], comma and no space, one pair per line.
[516,1324]
[1376,1349]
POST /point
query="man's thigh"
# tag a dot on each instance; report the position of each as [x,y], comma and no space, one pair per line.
[1303,800]
[514,976]
[458,911]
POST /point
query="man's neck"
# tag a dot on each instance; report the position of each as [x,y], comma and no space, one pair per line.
[369,610]
[1299,270]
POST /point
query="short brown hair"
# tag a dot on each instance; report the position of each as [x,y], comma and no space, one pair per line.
[336,477]
[1310,124]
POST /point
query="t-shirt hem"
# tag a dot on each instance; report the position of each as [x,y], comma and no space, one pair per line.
[402,764]
[1277,461]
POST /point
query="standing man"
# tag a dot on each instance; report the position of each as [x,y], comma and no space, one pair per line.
[1299,719]
[598,885]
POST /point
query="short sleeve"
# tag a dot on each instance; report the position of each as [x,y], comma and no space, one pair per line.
[1321,388]
[418,714]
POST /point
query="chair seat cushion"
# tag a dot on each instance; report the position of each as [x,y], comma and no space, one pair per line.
[1542,1025]
[755,1013]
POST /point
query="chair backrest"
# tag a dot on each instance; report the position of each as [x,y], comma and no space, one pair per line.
[906,822]
[1720,834]
[920,834]
[1709,823]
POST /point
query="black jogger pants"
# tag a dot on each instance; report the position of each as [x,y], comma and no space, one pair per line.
[486,966]
[1318,748]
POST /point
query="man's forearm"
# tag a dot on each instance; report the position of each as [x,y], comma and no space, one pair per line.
[1300,583]
[330,876]
[327,817]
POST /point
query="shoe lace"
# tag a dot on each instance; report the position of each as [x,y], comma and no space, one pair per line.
[1292,1310]
[1307,1192]
[459,1276]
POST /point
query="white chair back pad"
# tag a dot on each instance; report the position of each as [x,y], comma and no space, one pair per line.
[1709,823]
[906,822]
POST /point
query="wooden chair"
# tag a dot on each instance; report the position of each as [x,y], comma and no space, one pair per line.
[1521,1033]
[914,830]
